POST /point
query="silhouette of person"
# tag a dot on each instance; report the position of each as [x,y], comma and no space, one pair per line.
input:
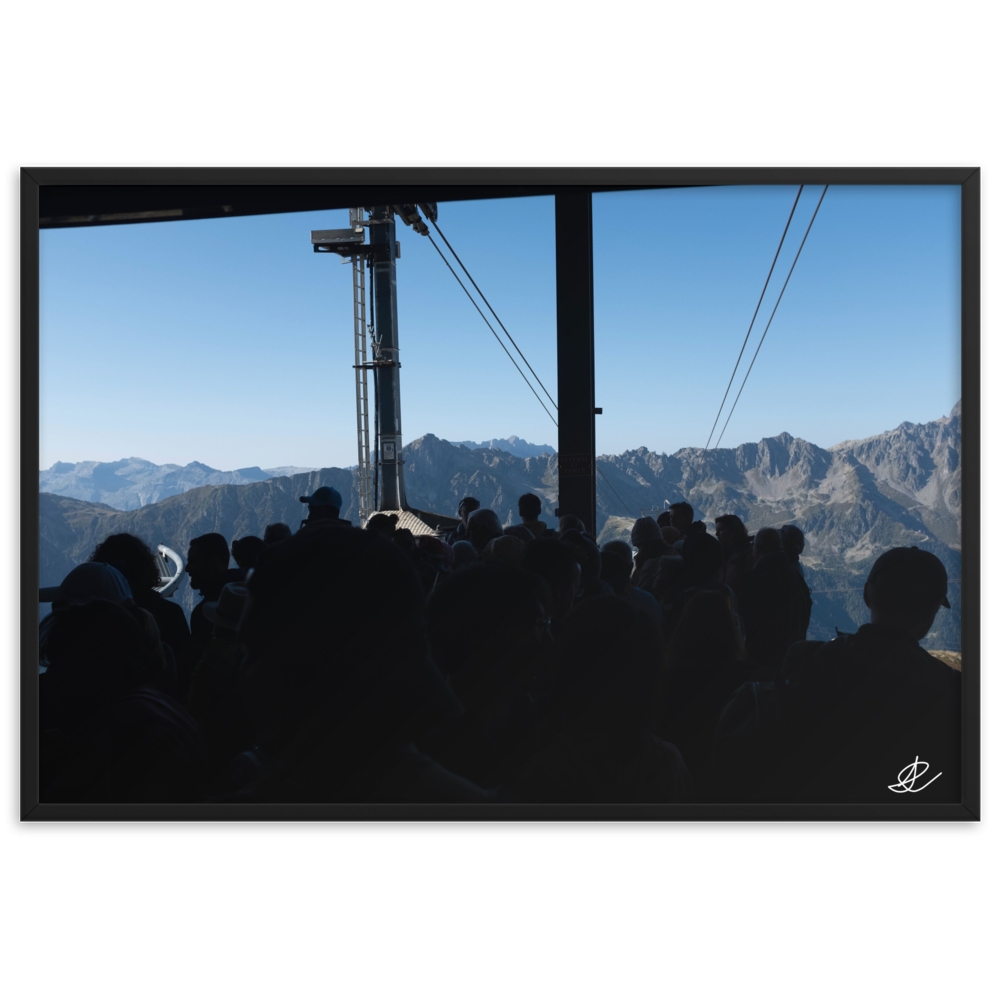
[277,532]
[529,509]
[207,570]
[324,505]
[850,718]
[770,603]
[465,507]
[247,550]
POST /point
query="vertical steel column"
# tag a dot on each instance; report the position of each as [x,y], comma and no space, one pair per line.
[390,444]
[575,356]
[361,386]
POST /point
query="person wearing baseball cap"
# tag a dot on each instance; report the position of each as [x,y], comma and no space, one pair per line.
[324,505]
[848,717]
[325,497]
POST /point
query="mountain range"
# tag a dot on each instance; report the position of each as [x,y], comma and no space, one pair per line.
[513,445]
[852,501]
[131,483]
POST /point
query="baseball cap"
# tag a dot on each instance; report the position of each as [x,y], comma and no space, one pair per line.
[910,573]
[87,581]
[325,496]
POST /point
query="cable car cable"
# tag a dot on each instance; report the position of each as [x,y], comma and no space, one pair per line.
[773,311]
[624,506]
[747,337]
[487,322]
[488,306]
[628,513]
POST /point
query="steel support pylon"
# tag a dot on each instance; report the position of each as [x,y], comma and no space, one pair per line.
[361,380]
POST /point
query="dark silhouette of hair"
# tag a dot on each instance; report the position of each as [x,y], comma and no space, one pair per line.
[246,551]
[766,541]
[213,545]
[706,634]
[384,524]
[663,520]
[132,557]
[95,646]
[469,504]
[653,549]
[484,525]
[682,507]
[588,555]
[275,533]
[570,522]
[403,537]
[792,541]
[702,555]
[616,570]
[505,549]
[732,523]
[529,505]
[623,548]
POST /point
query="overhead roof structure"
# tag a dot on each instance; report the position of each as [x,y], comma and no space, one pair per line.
[99,196]
[72,206]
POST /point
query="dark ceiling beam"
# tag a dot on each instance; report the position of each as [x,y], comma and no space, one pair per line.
[94,196]
[62,207]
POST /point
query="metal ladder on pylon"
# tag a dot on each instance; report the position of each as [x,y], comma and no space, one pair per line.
[361,378]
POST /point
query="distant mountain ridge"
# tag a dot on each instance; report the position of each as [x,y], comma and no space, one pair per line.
[852,501]
[131,483]
[513,445]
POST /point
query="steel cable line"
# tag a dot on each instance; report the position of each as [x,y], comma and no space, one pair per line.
[628,513]
[487,322]
[488,306]
[624,506]
[773,311]
[747,337]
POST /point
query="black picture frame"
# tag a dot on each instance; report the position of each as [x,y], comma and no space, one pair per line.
[96,196]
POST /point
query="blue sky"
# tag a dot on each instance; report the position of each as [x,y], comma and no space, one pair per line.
[229,342]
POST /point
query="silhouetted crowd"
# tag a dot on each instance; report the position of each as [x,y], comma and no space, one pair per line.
[492,664]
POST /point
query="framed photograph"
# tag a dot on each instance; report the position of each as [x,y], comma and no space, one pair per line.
[794,347]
